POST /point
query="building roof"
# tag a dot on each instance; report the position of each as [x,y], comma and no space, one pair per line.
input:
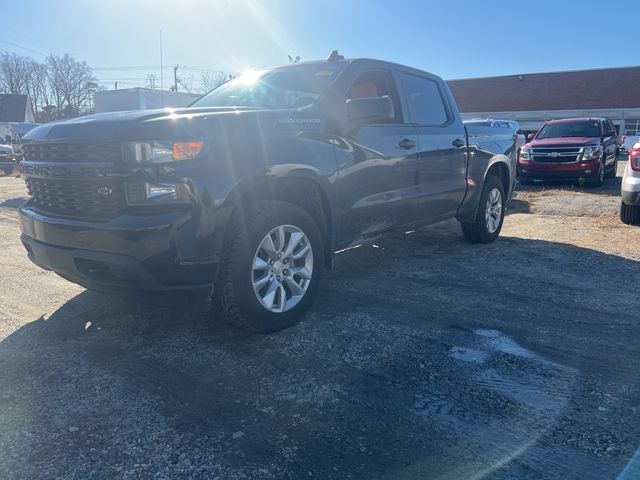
[581,89]
[15,108]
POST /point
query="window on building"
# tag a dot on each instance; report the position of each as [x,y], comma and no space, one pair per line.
[632,127]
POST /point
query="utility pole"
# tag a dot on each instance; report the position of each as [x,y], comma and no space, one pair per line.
[161,73]
[175,78]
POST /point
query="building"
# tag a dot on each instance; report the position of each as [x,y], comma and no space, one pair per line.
[533,98]
[140,99]
[16,109]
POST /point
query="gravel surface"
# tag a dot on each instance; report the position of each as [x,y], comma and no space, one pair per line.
[423,357]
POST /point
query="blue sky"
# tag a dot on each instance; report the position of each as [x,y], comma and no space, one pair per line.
[454,39]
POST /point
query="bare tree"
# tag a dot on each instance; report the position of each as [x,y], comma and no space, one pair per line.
[72,85]
[212,79]
[14,73]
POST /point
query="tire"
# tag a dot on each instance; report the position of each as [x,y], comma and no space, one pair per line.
[481,230]
[599,180]
[629,214]
[8,171]
[246,262]
[613,171]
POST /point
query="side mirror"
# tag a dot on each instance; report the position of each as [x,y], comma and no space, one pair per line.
[530,136]
[366,110]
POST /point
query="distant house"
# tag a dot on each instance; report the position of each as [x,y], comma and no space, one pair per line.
[534,98]
[140,99]
[16,108]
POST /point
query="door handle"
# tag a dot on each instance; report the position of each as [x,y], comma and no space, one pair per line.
[406,143]
[458,143]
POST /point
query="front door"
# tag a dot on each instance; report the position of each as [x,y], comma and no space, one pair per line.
[377,174]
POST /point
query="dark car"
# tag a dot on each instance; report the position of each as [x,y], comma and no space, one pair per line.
[582,149]
[244,197]
[7,159]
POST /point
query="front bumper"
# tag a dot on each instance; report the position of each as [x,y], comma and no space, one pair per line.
[143,257]
[558,171]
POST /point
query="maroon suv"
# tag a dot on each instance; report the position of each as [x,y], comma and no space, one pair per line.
[583,149]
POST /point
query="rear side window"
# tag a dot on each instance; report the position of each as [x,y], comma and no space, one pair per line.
[425,100]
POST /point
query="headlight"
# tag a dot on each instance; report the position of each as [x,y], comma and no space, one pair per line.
[589,153]
[161,151]
[525,154]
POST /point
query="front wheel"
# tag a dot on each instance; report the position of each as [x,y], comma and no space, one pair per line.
[8,171]
[271,267]
[490,216]
[599,180]
[613,170]
[629,214]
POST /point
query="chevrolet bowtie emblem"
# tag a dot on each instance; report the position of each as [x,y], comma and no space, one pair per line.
[105,190]
[554,154]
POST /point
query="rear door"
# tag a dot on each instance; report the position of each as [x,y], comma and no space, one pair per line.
[441,166]
[378,181]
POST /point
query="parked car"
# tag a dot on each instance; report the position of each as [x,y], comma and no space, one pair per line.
[500,123]
[630,190]
[7,159]
[583,149]
[244,196]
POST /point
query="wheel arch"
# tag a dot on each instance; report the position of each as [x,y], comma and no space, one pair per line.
[302,187]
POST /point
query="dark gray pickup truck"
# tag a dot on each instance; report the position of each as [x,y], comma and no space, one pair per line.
[240,200]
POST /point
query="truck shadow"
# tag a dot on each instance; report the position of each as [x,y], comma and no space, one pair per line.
[339,390]
[14,202]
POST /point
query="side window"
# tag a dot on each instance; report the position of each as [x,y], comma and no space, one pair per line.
[608,129]
[376,83]
[425,100]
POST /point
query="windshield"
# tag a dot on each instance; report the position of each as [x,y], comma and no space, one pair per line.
[587,128]
[285,88]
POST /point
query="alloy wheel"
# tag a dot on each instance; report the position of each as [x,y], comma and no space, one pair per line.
[282,268]
[493,210]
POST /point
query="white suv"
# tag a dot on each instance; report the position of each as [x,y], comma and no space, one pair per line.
[630,206]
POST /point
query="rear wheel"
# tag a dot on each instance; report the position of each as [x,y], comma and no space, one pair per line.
[630,214]
[490,216]
[271,267]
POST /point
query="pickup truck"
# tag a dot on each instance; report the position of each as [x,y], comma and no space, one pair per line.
[237,203]
[582,149]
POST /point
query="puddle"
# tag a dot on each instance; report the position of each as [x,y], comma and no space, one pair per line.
[468,354]
[536,393]
[500,342]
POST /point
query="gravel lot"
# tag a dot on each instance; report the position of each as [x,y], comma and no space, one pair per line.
[424,357]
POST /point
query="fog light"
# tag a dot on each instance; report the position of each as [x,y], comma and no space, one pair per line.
[157,193]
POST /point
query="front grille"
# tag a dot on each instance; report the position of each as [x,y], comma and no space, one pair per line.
[556,155]
[80,199]
[73,151]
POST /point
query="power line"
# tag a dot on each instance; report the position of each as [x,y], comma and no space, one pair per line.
[24,48]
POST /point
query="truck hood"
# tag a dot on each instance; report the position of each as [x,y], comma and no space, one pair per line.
[168,123]
[563,142]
